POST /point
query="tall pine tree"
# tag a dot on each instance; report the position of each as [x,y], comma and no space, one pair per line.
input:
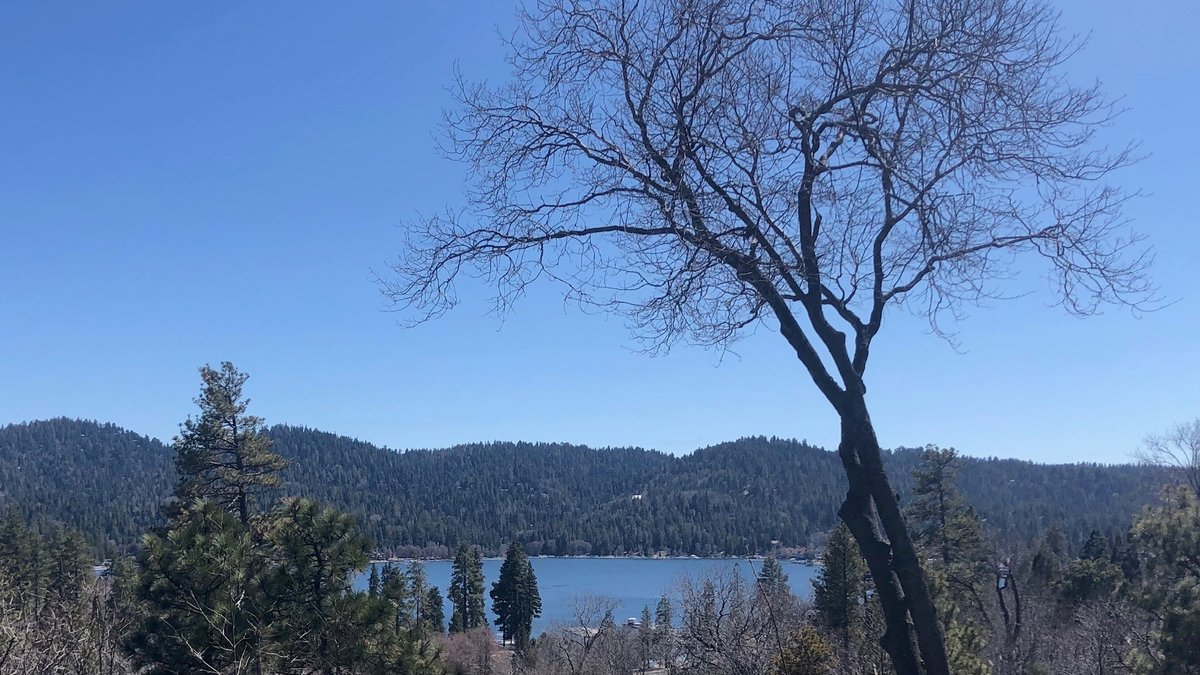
[224,455]
[515,597]
[466,590]
[840,585]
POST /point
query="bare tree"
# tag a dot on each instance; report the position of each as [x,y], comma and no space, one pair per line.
[582,646]
[729,629]
[1178,451]
[475,652]
[703,165]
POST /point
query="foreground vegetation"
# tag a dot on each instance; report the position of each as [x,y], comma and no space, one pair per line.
[240,580]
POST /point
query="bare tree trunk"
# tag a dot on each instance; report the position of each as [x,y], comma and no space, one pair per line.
[913,638]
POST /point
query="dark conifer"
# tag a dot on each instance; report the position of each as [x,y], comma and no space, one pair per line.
[772,580]
[840,584]
[466,590]
[515,597]
[224,454]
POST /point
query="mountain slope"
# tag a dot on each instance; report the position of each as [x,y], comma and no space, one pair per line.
[101,479]
[739,497]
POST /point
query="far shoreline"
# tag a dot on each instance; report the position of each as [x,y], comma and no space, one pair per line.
[795,560]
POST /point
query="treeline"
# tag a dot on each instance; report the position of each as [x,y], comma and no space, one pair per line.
[754,495]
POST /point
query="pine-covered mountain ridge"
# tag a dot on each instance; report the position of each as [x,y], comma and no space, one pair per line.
[749,496]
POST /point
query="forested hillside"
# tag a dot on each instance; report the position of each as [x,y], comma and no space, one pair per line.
[740,497]
[105,481]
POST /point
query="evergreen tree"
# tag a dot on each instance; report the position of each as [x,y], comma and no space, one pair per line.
[393,584]
[1097,547]
[417,585]
[1089,579]
[1047,566]
[317,623]
[515,597]
[108,483]
[1169,537]
[466,590]
[772,580]
[944,525]
[201,579]
[806,653]
[45,598]
[224,454]
[840,584]
[608,624]
[373,582]
[432,612]
[664,646]
[645,639]
[200,583]
[950,530]
[662,615]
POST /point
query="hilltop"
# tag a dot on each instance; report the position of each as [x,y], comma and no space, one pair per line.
[745,496]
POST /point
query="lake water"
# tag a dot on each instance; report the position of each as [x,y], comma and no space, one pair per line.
[633,583]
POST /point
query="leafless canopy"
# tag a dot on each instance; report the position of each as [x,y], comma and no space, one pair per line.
[1178,451]
[700,164]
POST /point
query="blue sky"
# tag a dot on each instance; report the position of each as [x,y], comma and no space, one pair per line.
[183,183]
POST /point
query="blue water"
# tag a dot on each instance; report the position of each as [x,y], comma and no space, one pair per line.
[633,583]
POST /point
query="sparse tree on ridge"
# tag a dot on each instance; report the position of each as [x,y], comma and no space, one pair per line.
[703,165]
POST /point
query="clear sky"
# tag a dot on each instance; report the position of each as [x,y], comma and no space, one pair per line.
[191,182]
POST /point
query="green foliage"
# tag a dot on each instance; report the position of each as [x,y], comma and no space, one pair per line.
[1046,568]
[1097,547]
[515,598]
[43,565]
[373,583]
[646,638]
[772,580]
[224,454]
[99,479]
[950,532]
[412,612]
[428,615]
[394,589]
[314,552]
[1088,580]
[199,583]
[1169,539]
[807,652]
[943,524]
[466,590]
[965,643]
[432,613]
[223,592]
[840,586]
[663,614]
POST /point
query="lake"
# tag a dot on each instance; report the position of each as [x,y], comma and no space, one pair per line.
[633,583]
